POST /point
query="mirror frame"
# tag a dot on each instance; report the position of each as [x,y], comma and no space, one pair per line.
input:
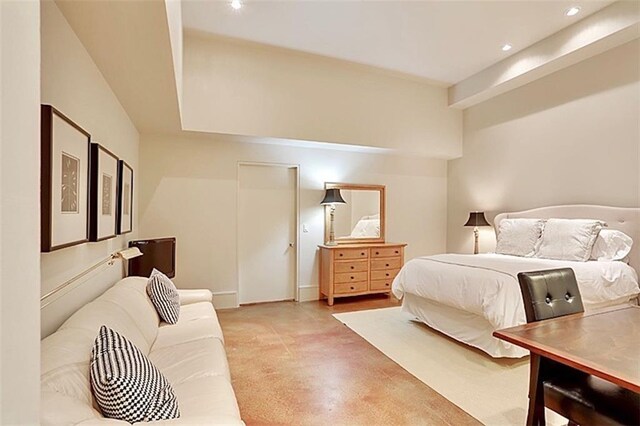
[362,187]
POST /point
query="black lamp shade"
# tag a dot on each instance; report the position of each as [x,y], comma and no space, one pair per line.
[332,196]
[477,219]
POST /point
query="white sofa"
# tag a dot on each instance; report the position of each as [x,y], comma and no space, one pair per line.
[190,354]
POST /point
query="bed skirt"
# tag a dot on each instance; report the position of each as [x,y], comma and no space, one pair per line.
[463,326]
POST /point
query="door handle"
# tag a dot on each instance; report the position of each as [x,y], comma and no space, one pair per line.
[291,244]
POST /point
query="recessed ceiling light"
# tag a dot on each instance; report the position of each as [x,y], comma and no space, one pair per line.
[236,4]
[506,47]
[573,11]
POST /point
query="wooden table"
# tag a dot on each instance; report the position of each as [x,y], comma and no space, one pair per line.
[604,343]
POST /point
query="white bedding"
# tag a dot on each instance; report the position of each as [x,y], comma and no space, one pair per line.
[487,285]
[366,228]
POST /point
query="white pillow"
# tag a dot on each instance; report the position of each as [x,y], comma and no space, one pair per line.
[569,239]
[518,237]
[611,245]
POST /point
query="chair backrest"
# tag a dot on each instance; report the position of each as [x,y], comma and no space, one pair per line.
[550,294]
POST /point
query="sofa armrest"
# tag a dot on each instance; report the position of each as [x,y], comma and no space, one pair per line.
[187,297]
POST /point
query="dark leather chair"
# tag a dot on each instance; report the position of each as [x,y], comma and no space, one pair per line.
[582,398]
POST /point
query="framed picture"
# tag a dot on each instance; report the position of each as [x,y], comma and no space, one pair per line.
[103,193]
[125,198]
[64,181]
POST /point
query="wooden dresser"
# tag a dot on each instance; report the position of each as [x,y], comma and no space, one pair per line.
[356,269]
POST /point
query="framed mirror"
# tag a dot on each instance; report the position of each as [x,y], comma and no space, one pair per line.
[361,218]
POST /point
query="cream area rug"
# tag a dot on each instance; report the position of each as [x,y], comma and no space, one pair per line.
[494,391]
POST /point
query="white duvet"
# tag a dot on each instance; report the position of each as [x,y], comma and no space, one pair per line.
[487,284]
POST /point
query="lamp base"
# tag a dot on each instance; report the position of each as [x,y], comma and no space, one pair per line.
[330,243]
[475,240]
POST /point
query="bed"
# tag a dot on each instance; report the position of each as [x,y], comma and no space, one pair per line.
[467,297]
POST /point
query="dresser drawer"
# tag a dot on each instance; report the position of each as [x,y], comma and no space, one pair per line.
[384,274]
[381,284]
[389,263]
[386,252]
[350,277]
[356,287]
[348,254]
[355,266]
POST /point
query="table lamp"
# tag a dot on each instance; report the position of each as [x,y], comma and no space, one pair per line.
[331,198]
[476,219]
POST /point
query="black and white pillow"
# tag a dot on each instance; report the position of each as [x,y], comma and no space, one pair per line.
[126,385]
[164,296]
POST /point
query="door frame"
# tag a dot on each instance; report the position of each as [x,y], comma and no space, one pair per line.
[296,278]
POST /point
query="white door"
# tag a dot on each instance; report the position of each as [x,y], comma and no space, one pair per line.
[266,233]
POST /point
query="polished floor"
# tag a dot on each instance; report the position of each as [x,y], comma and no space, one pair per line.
[293,363]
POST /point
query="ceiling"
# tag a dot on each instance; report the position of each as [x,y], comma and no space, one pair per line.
[443,41]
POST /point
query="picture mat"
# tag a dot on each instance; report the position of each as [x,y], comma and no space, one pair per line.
[127,199]
[109,166]
[68,227]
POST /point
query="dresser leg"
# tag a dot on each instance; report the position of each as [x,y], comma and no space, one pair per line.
[330,300]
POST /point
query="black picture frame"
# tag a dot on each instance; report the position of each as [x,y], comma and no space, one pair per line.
[125,198]
[65,169]
[103,195]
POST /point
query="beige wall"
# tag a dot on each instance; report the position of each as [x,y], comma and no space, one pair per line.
[19,212]
[174,21]
[240,88]
[571,137]
[73,84]
[189,189]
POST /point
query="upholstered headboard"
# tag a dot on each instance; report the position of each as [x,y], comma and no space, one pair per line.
[623,219]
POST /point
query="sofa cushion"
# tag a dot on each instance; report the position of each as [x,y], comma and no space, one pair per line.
[190,296]
[59,409]
[197,321]
[164,296]
[131,295]
[64,363]
[191,360]
[126,385]
[125,308]
[210,396]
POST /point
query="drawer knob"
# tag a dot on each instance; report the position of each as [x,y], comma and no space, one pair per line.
[362,254]
[340,254]
[387,274]
[377,252]
[353,288]
[351,277]
[352,267]
[387,284]
[387,264]
[397,252]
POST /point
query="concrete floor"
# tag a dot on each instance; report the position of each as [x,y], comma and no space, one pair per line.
[293,363]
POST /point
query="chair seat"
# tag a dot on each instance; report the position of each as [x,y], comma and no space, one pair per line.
[589,400]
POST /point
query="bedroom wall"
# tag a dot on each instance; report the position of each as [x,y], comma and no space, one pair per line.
[73,84]
[19,212]
[572,137]
[189,188]
[242,88]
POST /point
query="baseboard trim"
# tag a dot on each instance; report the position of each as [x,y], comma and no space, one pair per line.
[307,293]
[225,299]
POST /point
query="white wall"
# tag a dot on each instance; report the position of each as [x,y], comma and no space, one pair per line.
[242,88]
[19,212]
[174,21]
[571,137]
[73,84]
[189,190]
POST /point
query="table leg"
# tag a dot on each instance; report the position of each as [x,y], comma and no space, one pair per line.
[535,415]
